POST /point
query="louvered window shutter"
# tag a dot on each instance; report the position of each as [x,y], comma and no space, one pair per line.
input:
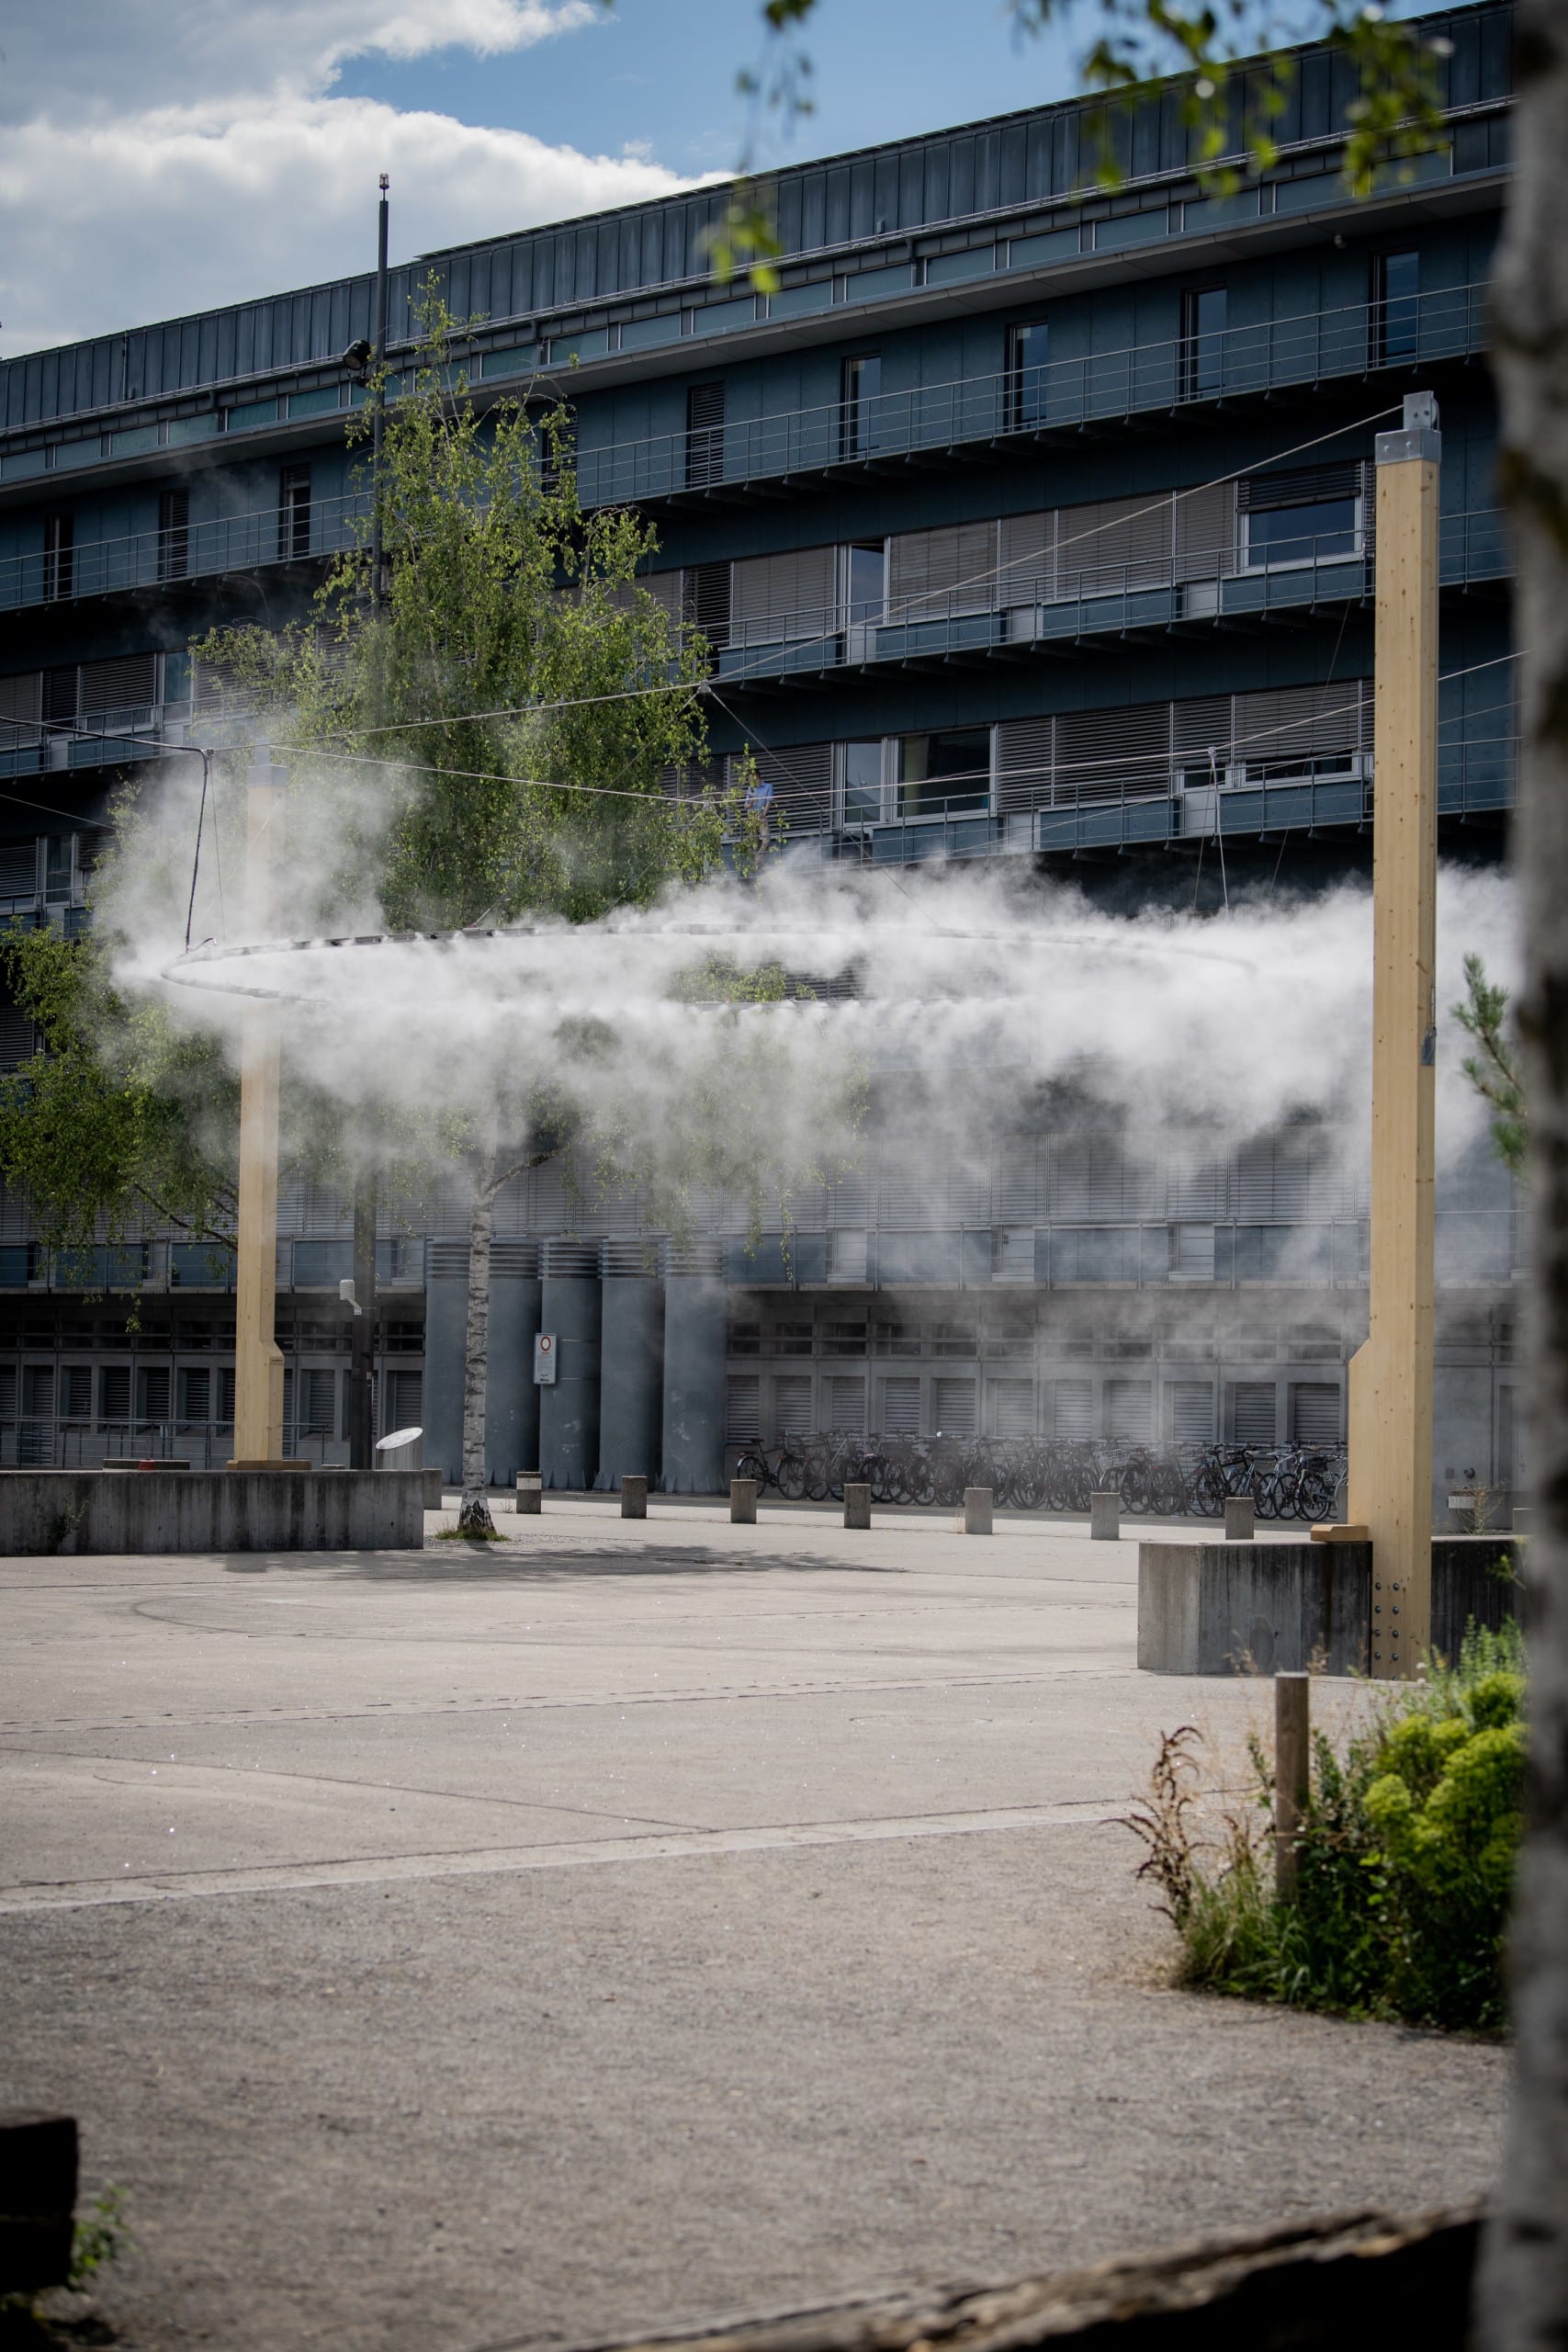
[1026,560]
[1205,531]
[59,697]
[21,704]
[792,1405]
[705,435]
[1299,486]
[774,598]
[667,590]
[18,869]
[1292,725]
[1113,754]
[1115,544]
[802,780]
[1015,1186]
[707,597]
[933,574]
[1023,764]
[127,683]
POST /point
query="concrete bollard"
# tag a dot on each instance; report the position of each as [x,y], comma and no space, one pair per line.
[435,1488]
[743,1502]
[1241,1519]
[634,1495]
[857,1506]
[977,1510]
[530,1492]
[1105,1515]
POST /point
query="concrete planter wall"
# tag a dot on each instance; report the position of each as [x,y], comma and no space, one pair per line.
[68,1512]
[1271,1608]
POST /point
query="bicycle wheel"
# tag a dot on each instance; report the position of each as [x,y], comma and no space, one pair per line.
[1168,1490]
[753,1465]
[792,1475]
[1133,1486]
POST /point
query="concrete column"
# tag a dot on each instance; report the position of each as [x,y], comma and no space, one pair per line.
[634,1495]
[743,1502]
[694,1396]
[631,1382]
[1105,1515]
[977,1510]
[446,1318]
[530,1500]
[857,1506]
[512,1401]
[569,1409]
[1241,1519]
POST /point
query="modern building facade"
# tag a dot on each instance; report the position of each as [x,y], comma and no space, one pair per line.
[1013,524]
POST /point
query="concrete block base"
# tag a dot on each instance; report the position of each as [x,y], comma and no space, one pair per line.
[1254,1607]
[81,1512]
[743,1502]
[1105,1516]
[1241,1519]
[857,1506]
[1268,1607]
[634,1495]
[977,1510]
[530,1494]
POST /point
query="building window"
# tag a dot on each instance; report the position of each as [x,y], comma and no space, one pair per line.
[59,556]
[1027,351]
[1203,342]
[862,799]
[944,773]
[294,513]
[1315,531]
[58,868]
[174,533]
[705,435]
[1396,308]
[866,582]
[860,390]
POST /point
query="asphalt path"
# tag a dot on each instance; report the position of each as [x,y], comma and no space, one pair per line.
[636,1923]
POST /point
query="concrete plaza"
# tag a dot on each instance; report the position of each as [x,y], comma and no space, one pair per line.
[635,1923]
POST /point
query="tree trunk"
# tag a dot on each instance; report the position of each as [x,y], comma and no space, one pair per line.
[1523,2303]
[473,1517]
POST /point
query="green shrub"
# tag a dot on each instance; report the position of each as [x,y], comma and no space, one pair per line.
[1405,1859]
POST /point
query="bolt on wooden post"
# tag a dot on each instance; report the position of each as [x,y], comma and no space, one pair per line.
[258,1359]
[1390,1486]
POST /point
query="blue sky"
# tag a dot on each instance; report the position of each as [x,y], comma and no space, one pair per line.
[660,75]
[163,156]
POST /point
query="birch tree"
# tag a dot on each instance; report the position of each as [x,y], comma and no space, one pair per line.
[513,669]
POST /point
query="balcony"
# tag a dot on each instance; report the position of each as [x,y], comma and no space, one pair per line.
[1015,409]
[165,560]
[1085,601]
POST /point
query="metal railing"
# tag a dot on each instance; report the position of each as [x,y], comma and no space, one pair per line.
[1037,602]
[40,1445]
[1161,805]
[196,550]
[1234,363]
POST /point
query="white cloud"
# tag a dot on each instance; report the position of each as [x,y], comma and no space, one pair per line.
[200,157]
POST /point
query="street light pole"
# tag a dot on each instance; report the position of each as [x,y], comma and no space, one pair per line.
[362,1332]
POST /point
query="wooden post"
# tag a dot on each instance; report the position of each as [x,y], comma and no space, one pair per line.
[1390,1486]
[258,1359]
[1292,1776]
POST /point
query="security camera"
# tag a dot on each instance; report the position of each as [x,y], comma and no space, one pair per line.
[358,358]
